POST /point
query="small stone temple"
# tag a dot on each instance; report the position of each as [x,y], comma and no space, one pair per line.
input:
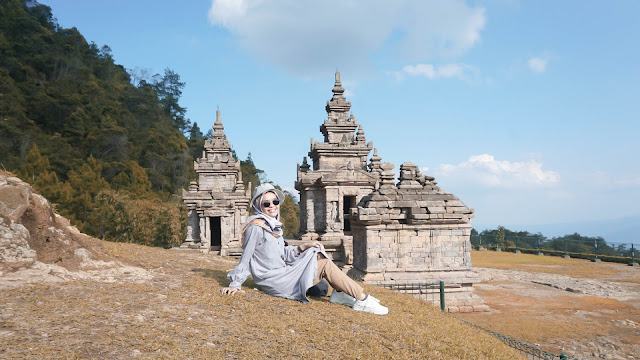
[413,232]
[218,202]
[337,181]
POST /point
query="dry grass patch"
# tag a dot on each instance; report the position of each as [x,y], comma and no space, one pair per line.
[547,264]
[180,314]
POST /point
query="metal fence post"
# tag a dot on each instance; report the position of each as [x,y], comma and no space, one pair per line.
[566,256]
[595,245]
[442,307]
[539,249]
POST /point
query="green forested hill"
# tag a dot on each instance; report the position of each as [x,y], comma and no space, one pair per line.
[111,155]
[69,98]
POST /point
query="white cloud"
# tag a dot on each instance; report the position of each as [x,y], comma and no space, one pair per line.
[429,71]
[309,37]
[227,12]
[538,64]
[485,170]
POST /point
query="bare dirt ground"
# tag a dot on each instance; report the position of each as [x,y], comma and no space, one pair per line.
[583,309]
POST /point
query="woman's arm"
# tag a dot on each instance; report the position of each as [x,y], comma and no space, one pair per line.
[290,254]
[316,244]
[242,271]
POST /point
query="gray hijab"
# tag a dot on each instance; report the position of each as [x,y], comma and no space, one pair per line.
[274,223]
[275,226]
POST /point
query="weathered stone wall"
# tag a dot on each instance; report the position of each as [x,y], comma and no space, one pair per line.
[217,183]
[395,248]
[413,232]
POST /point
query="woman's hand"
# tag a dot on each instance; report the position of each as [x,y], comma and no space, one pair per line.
[229,290]
[308,245]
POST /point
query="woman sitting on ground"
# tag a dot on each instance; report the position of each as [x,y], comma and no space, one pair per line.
[289,271]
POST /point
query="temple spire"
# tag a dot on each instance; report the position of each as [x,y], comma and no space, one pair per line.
[338,90]
[218,128]
[360,139]
[338,107]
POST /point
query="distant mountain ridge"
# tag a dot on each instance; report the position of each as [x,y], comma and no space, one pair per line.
[619,230]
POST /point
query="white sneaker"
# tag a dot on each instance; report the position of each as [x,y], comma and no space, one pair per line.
[374,299]
[339,297]
[370,305]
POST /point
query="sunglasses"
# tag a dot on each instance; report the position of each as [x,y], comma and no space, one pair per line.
[266,203]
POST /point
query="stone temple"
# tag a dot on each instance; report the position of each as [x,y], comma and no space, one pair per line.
[218,202]
[403,234]
[413,232]
[337,181]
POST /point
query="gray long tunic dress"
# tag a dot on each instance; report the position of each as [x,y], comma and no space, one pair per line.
[277,269]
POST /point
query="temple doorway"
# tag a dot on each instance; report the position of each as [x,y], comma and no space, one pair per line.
[348,202]
[216,232]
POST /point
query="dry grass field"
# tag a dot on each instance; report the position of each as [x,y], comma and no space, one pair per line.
[584,309]
[178,313]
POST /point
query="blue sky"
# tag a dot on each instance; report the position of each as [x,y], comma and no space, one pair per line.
[528,111]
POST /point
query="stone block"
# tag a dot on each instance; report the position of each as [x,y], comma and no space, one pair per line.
[418,210]
[414,198]
[408,233]
[379,197]
[388,191]
[416,222]
[452,309]
[481,308]
[461,210]
[404,203]
[404,239]
[378,204]
[387,239]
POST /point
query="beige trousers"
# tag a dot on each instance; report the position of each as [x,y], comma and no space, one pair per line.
[336,278]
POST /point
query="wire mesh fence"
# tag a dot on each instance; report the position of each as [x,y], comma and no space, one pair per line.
[431,292]
[530,352]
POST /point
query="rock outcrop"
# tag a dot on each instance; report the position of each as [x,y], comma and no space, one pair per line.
[38,245]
